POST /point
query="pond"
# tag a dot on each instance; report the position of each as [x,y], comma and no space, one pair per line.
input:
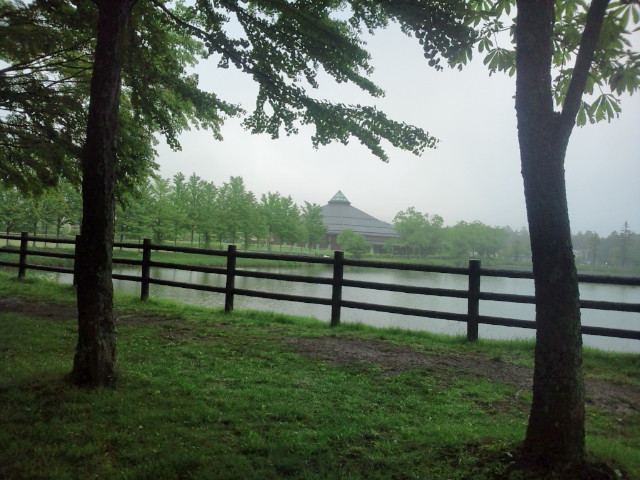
[623,320]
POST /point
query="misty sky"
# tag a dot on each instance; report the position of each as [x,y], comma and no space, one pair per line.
[474,174]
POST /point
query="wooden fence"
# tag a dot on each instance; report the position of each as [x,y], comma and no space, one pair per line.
[472,294]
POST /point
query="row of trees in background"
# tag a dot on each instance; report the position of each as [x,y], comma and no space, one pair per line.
[197,211]
[621,248]
[168,210]
[425,235]
[50,213]
[422,234]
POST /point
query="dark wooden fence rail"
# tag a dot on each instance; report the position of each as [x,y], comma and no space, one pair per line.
[473,272]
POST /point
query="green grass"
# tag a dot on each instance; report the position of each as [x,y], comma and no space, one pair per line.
[202,394]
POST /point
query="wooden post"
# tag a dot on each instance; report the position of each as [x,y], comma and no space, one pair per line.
[231,278]
[75,263]
[336,294]
[146,260]
[22,263]
[473,306]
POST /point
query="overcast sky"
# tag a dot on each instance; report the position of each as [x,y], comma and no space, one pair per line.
[474,174]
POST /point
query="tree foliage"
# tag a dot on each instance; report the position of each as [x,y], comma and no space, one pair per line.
[57,208]
[169,210]
[47,48]
[281,217]
[615,69]
[12,209]
[284,45]
[353,243]
[313,228]
[47,62]
[47,51]
[418,233]
[236,209]
[476,239]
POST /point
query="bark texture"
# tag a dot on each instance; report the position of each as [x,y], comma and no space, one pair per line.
[555,434]
[94,361]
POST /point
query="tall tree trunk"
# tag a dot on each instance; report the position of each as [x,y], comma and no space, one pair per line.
[94,362]
[555,434]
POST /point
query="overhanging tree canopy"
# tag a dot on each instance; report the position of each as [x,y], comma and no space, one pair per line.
[46,47]
[47,51]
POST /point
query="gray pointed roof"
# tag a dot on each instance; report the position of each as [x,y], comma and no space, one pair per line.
[340,215]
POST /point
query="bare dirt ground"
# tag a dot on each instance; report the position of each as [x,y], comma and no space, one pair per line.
[616,397]
[619,398]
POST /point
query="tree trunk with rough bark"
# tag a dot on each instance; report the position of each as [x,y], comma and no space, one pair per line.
[94,361]
[555,434]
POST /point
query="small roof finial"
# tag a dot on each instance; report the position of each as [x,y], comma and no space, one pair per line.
[340,198]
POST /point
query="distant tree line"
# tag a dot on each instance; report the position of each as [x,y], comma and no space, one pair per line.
[620,249]
[50,212]
[199,212]
[172,210]
[424,235]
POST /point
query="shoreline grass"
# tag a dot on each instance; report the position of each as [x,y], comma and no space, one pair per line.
[202,394]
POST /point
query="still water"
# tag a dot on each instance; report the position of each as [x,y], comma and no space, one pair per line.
[623,320]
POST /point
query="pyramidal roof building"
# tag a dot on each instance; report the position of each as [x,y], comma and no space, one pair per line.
[340,215]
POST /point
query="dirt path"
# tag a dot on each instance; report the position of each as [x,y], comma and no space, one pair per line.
[619,398]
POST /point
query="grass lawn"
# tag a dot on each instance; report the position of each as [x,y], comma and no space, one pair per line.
[202,394]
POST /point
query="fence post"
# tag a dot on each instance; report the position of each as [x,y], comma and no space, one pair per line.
[146,260]
[75,261]
[473,306]
[22,262]
[336,294]
[231,279]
